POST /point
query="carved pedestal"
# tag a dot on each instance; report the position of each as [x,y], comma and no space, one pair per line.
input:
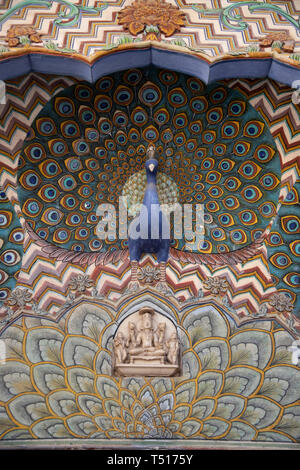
[146,370]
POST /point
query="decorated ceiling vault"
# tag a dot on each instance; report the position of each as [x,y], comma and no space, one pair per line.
[207,90]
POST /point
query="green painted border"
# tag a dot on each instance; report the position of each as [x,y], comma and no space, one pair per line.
[66,18]
[228,16]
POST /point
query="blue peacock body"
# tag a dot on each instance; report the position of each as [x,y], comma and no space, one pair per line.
[151,235]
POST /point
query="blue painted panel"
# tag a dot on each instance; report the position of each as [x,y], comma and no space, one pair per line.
[180,62]
[15,67]
[284,73]
[239,68]
[61,65]
[121,60]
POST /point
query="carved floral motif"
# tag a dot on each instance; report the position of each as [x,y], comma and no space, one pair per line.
[16,33]
[148,275]
[281,302]
[19,297]
[142,13]
[216,285]
[80,283]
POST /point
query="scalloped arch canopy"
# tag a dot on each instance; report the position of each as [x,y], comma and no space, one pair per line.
[128,56]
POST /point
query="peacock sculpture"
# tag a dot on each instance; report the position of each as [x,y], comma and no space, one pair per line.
[148,226]
[90,145]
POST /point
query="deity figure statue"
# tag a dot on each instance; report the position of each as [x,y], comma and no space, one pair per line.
[173,347]
[145,343]
[146,347]
[120,348]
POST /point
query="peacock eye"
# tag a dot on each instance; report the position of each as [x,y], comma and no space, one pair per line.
[10,257]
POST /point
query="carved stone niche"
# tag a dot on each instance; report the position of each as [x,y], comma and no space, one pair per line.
[146,344]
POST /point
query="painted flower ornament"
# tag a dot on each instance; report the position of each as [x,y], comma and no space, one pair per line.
[142,13]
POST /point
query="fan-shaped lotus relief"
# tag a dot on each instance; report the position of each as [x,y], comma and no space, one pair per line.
[79,351]
[251,348]
[230,407]
[48,377]
[213,354]
[62,403]
[89,320]
[205,322]
[261,412]
[190,364]
[14,380]
[28,408]
[236,385]
[44,345]
[240,431]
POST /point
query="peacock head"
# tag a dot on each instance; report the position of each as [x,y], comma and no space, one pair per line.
[151,165]
[151,162]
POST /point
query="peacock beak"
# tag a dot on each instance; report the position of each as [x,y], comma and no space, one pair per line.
[151,167]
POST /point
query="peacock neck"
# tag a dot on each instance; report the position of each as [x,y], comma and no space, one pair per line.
[151,178]
[151,196]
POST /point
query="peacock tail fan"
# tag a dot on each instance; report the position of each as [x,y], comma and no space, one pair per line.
[88,147]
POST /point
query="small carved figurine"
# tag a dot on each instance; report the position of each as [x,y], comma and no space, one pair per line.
[146,346]
[173,347]
[160,335]
[131,341]
[120,348]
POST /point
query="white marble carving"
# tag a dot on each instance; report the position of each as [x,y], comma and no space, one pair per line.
[146,344]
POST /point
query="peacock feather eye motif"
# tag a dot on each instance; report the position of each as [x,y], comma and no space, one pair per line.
[89,141]
[241,148]
[249,170]
[248,217]
[83,92]
[269,181]
[50,168]
[86,115]
[103,103]
[69,202]
[52,216]
[64,106]
[11,246]
[32,208]
[61,235]
[284,247]
[70,129]
[46,126]
[48,192]
[33,153]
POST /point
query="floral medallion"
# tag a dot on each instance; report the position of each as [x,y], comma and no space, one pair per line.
[142,13]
